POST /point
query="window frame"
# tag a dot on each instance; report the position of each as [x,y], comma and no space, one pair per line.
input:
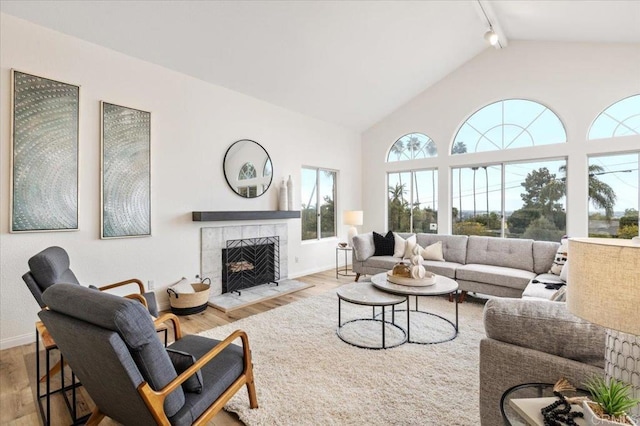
[602,112]
[413,157]
[503,188]
[502,124]
[412,173]
[318,200]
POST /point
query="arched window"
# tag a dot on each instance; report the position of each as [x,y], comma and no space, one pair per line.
[507,124]
[247,171]
[411,147]
[268,168]
[620,119]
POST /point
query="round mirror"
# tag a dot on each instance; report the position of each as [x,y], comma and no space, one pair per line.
[247,168]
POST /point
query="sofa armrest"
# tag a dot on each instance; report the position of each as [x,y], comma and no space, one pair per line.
[546,327]
[363,247]
[503,365]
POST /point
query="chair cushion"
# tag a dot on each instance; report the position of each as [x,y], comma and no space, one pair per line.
[51,266]
[382,262]
[546,327]
[507,252]
[132,322]
[447,269]
[218,375]
[496,275]
[454,247]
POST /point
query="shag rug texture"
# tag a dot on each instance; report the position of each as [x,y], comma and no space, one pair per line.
[306,375]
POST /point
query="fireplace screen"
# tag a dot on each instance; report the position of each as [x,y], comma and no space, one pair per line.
[250,262]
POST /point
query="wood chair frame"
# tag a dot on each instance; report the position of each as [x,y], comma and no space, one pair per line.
[154,400]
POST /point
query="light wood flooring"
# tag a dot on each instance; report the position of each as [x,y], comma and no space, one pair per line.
[17,365]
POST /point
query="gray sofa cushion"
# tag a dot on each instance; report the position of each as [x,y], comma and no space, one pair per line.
[543,254]
[132,322]
[454,247]
[495,275]
[447,269]
[545,326]
[51,266]
[218,375]
[510,253]
[383,262]
[363,247]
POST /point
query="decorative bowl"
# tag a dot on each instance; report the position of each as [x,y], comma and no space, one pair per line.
[429,279]
[342,245]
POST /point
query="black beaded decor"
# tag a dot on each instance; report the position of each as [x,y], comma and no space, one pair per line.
[559,413]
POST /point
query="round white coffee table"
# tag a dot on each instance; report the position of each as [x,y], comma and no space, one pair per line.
[364,293]
[442,286]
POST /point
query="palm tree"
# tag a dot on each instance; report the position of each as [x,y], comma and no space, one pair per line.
[601,195]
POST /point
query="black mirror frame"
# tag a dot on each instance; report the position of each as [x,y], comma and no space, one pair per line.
[224,171]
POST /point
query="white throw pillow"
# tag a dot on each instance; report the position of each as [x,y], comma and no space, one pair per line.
[433,252]
[561,257]
[400,246]
[411,245]
[183,286]
[564,274]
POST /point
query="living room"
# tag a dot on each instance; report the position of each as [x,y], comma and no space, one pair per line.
[197,113]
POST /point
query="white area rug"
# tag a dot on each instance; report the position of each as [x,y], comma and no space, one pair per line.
[306,375]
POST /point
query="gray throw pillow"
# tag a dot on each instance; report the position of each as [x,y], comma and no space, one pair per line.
[181,362]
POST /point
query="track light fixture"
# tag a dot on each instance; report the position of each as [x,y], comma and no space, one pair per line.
[491,37]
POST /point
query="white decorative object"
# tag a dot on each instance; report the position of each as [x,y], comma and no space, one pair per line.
[290,194]
[604,280]
[417,270]
[592,419]
[353,218]
[429,279]
[282,197]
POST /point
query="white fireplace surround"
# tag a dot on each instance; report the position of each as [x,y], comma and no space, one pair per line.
[214,239]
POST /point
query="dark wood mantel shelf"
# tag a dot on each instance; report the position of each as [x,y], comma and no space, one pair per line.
[244,215]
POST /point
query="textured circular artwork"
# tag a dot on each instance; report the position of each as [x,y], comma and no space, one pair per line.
[126,167]
[45,154]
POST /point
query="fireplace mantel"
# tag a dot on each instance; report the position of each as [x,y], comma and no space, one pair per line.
[225,216]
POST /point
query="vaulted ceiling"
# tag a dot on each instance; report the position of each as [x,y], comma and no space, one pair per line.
[346,62]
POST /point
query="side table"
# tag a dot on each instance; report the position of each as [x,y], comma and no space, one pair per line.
[343,271]
[366,295]
[521,404]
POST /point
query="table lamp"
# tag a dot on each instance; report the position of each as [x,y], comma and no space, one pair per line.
[353,218]
[603,287]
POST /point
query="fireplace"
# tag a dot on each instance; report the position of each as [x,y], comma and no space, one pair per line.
[214,240]
[249,262]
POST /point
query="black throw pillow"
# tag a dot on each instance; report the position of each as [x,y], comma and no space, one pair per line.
[384,245]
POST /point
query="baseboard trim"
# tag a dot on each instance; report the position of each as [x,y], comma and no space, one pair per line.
[12,342]
[310,271]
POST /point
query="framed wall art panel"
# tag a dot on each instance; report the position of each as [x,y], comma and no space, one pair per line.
[44,157]
[126,171]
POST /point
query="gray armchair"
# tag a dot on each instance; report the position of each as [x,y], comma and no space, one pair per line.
[111,344]
[533,341]
[51,266]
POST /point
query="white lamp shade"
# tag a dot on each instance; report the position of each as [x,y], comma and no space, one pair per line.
[352,217]
[603,285]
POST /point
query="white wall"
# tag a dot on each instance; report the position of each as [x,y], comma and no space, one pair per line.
[193,123]
[576,80]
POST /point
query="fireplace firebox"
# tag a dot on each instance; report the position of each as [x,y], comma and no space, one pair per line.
[250,262]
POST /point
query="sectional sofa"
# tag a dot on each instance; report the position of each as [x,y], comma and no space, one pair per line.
[488,265]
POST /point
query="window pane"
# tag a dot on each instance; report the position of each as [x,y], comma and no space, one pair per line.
[399,197]
[613,196]
[309,209]
[327,204]
[620,119]
[412,146]
[425,202]
[476,204]
[512,123]
[535,200]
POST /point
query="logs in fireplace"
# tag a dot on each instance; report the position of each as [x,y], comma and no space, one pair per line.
[250,262]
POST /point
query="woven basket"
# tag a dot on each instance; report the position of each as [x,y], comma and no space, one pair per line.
[189,303]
